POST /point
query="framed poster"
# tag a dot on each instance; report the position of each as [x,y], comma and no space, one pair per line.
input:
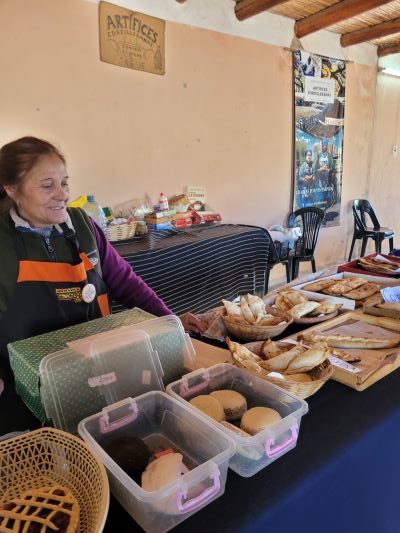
[319,93]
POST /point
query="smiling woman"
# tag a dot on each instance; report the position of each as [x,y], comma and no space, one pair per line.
[58,268]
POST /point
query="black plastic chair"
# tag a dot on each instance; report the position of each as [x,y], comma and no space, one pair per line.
[309,219]
[280,254]
[361,209]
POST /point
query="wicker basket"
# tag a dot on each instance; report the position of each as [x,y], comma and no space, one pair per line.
[118,232]
[48,457]
[320,375]
[253,332]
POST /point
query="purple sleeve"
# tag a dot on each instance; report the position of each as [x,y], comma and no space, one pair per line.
[126,287]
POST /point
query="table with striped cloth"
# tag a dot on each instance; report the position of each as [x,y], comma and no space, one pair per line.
[192,270]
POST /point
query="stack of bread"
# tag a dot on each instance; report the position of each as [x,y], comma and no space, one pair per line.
[299,306]
[229,407]
[379,264]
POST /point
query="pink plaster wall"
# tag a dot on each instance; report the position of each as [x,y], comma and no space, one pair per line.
[221,117]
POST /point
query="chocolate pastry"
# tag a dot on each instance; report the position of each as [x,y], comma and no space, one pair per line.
[131,454]
[43,510]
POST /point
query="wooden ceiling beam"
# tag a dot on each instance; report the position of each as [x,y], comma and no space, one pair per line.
[388,50]
[333,14]
[245,9]
[373,32]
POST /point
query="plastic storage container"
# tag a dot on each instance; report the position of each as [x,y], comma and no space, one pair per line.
[254,452]
[102,369]
[77,384]
[162,422]
[93,209]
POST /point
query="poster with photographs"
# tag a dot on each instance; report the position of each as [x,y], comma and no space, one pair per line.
[319,92]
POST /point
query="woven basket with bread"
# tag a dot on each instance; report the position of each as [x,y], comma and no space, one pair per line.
[297,368]
[252,320]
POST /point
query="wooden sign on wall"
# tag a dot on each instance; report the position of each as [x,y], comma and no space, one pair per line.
[131,39]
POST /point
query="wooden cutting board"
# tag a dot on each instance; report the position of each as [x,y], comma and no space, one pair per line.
[374,364]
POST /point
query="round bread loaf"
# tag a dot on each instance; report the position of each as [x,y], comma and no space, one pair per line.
[258,418]
[209,405]
[162,471]
[233,403]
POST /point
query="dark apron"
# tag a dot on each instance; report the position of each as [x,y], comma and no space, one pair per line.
[48,295]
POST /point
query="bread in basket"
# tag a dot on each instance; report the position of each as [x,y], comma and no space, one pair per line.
[253,332]
[251,358]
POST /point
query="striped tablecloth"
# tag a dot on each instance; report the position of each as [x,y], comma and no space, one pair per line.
[192,270]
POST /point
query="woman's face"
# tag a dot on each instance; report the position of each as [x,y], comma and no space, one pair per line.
[43,194]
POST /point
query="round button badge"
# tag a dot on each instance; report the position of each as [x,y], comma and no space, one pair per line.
[88,293]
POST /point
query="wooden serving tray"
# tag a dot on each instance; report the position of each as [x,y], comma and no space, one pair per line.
[374,364]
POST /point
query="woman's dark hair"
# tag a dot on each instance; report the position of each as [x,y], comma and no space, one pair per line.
[308,151]
[19,157]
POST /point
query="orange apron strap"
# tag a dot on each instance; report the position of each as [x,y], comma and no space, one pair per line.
[86,261]
[51,272]
[102,300]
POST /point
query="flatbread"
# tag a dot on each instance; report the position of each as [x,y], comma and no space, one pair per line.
[317,286]
[365,291]
[343,286]
[348,341]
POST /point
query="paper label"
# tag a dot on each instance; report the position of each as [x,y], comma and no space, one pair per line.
[146,377]
[343,364]
[391,294]
[104,379]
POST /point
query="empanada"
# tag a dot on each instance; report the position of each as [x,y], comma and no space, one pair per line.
[288,299]
[311,358]
[303,309]
[282,361]
[325,308]
[270,349]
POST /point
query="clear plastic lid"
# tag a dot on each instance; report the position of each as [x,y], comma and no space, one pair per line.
[97,371]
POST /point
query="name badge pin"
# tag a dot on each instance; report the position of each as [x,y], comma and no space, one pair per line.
[88,293]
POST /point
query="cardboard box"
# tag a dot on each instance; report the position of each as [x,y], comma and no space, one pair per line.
[347,304]
[355,268]
[182,222]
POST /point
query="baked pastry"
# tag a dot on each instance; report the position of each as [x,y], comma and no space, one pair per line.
[253,452]
[288,299]
[258,418]
[319,285]
[366,290]
[131,454]
[233,403]
[270,349]
[303,309]
[306,361]
[282,361]
[325,308]
[162,471]
[44,510]
[345,356]
[301,377]
[343,286]
[209,406]
[348,341]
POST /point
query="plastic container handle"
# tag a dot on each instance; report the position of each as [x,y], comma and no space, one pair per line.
[106,426]
[272,450]
[184,390]
[196,502]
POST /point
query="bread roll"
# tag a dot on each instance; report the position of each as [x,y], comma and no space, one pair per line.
[258,418]
[209,405]
[162,471]
[233,403]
